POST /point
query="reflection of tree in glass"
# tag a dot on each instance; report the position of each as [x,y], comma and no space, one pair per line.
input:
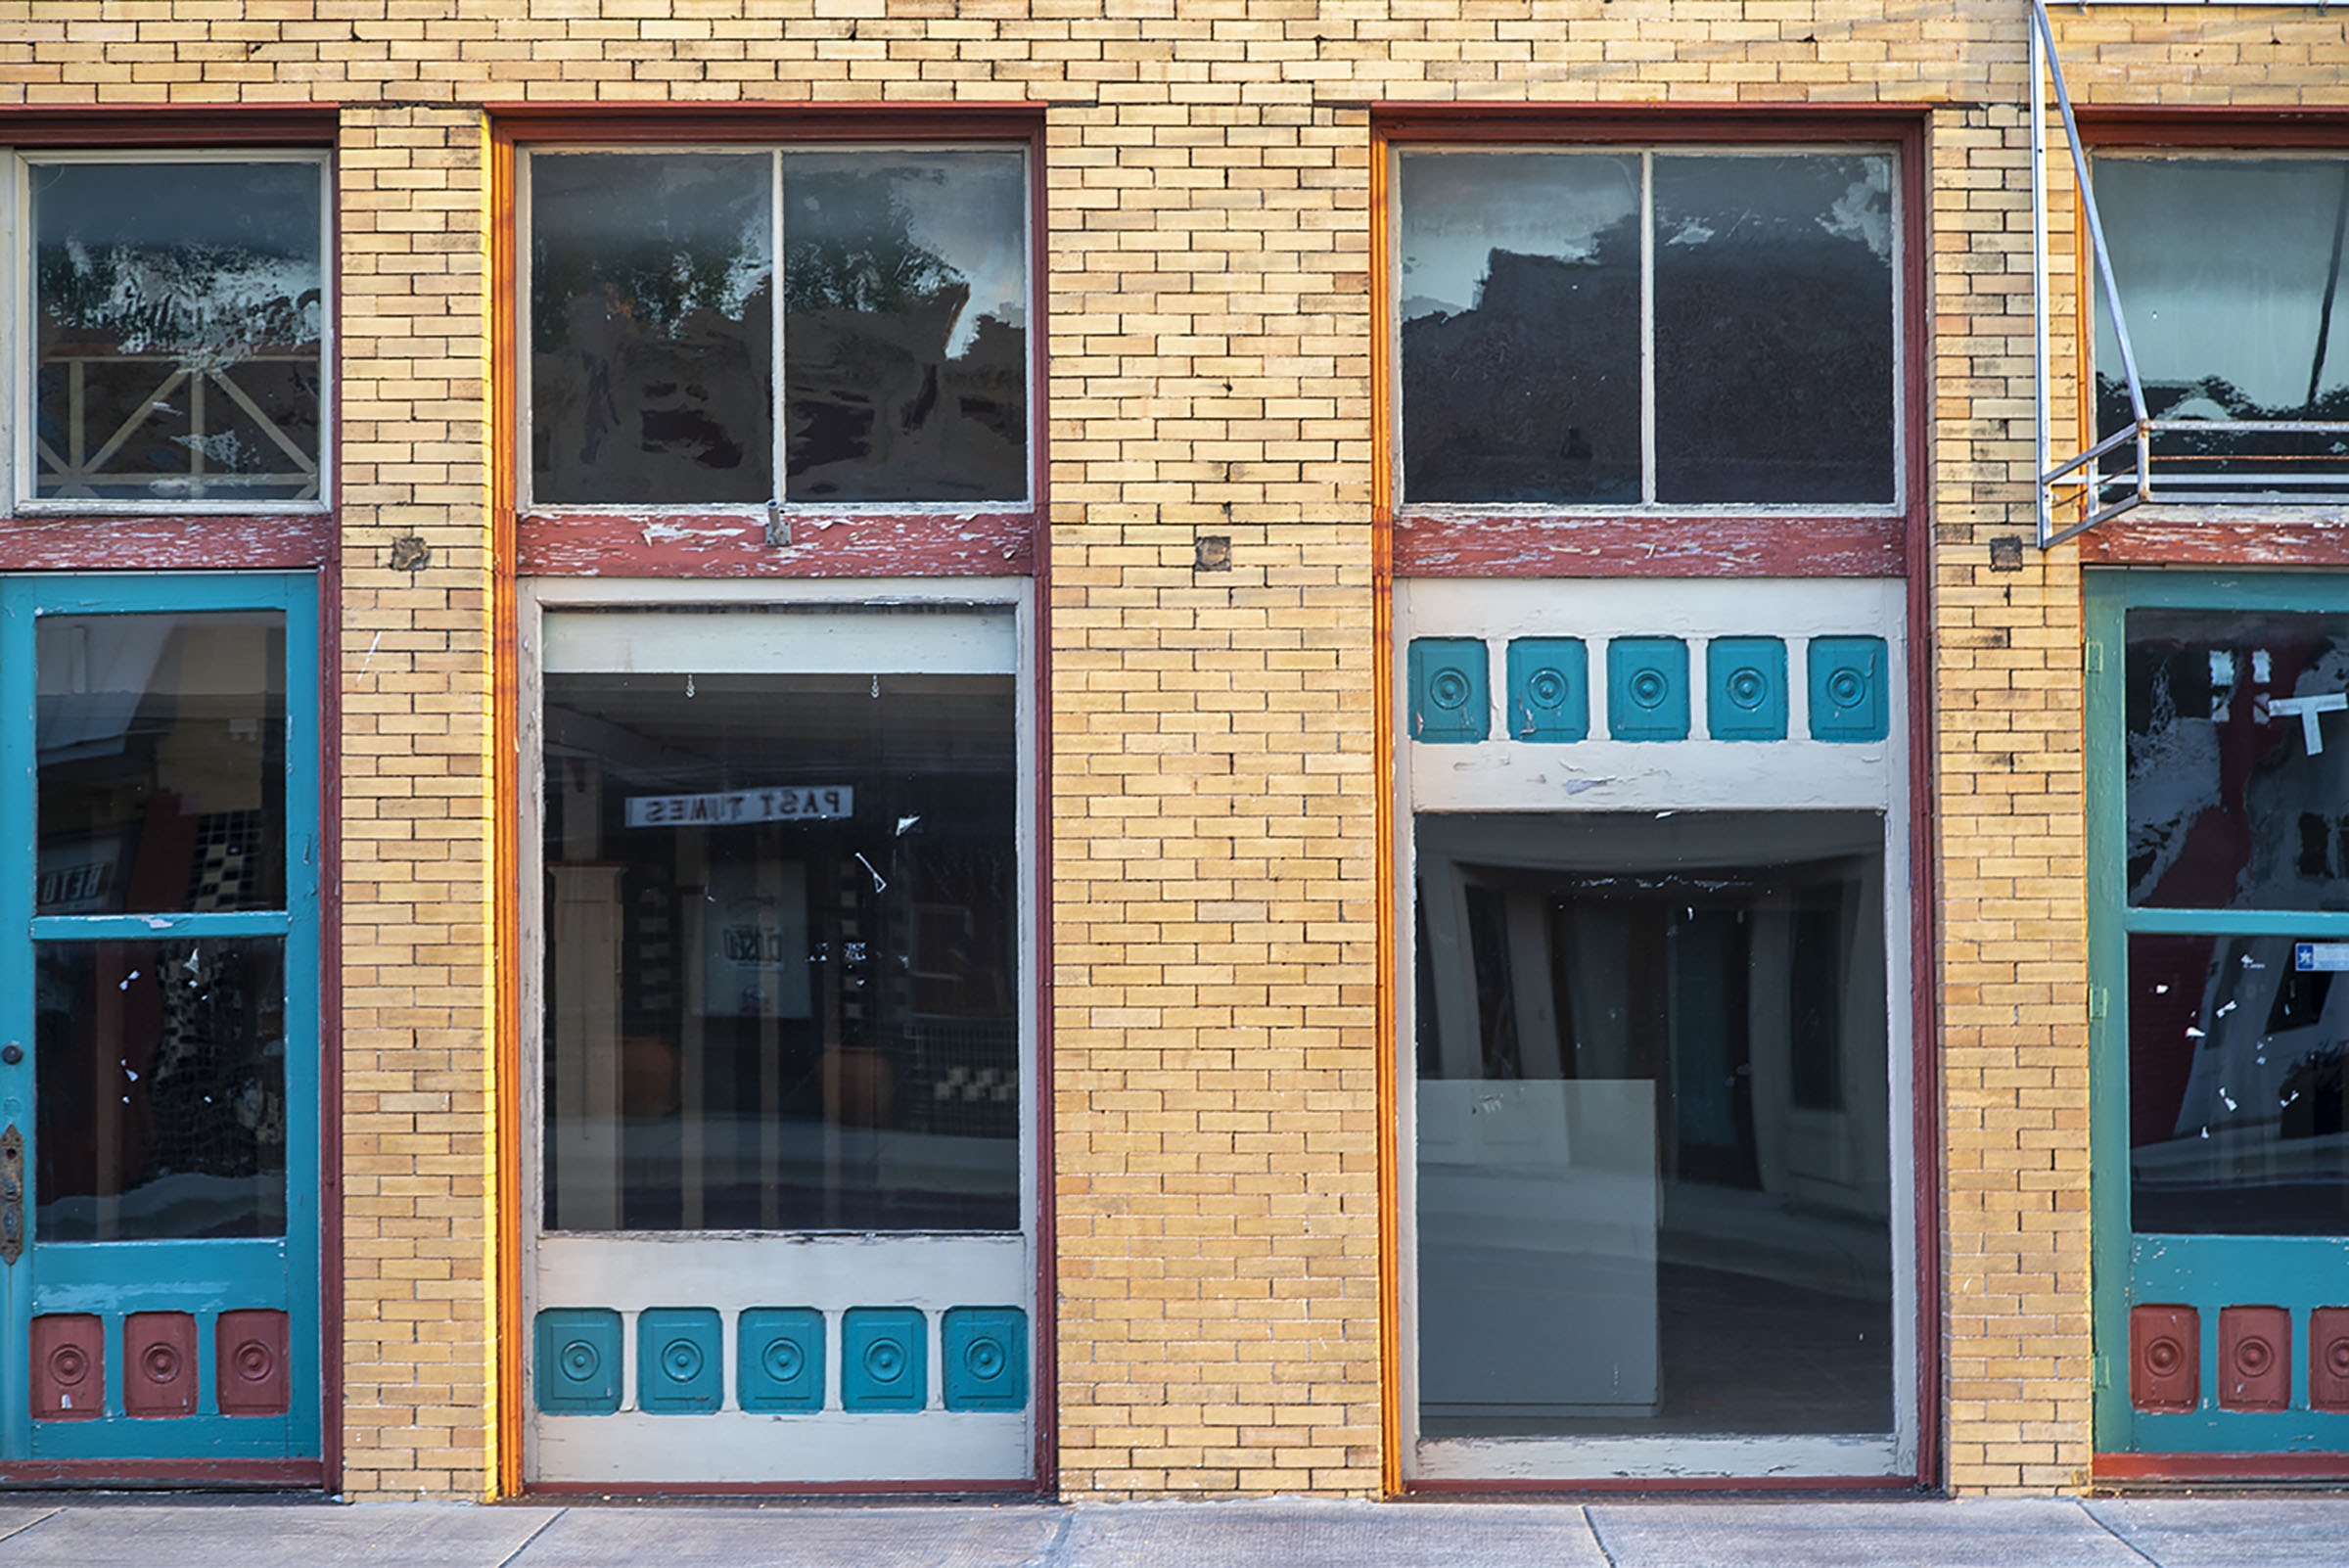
[188,299]
[844,251]
[655,284]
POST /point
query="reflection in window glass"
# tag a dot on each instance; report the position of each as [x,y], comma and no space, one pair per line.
[2229,270]
[180,310]
[2238,1086]
[161,1089]
[161,747]
[2237,759]
[905,332]
[651,309]
[1771,279]
[1773,329]
[1519,299]
[782,971]
[1653,1153]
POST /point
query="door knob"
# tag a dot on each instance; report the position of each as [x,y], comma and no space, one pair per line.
[12,1053]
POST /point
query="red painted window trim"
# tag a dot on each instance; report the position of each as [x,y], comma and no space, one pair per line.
[170,127]
[1457,542]
[999,541]
[2309,534]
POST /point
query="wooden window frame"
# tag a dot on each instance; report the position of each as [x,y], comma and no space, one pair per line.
[857,541]
[163,536]
[2311,534]
[1457,541]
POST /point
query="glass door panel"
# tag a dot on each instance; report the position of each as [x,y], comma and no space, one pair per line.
[782,1050]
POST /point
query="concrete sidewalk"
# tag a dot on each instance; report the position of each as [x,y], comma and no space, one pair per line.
[2233,1532]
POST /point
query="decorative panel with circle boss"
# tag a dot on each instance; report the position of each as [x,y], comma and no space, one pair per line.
[1647,689]
[1849,703]
[159,1365]
[884,1358]
[1549,689]
[2328,1358]
[985,1355]
[680,1360]
[2256,1359]
[2165,1357]
[69,1366]
[250,1361]
[1745,688]
[577,1367]
[780,1356]
[1449,703]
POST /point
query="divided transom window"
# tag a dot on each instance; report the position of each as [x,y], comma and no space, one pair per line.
[1667,329]
[172,331]
[826,326]
[2229,276]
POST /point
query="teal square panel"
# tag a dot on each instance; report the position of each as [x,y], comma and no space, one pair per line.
[984,1352]
[1449,688]
[1848,702]
[577,1367]
[1549,689]
[1647,689]
[779,1362]
[1745,688]
[680,1360]
[883,1359]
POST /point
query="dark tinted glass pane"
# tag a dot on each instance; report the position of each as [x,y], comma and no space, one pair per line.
[162,743]
[1647,1202]
[652,376]
[906,326]
[178,315]
[2228,271]
[782,953]
[2238,1086]
[1773,329]
[1519,299]
[2238,759]
[160,1088]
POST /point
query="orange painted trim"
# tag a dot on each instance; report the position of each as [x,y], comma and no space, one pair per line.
[2161,1467]
[506,805]
[1382,750]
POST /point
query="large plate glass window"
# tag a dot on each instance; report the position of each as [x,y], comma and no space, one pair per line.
[2229,273]
[1673,329]
[173,330]
[783,1231]
[829,328]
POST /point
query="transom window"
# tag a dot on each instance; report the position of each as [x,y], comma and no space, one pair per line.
[660,374]
[2229,276]
[1664,329]
[173,338]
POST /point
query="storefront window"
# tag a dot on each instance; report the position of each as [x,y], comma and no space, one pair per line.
[1653,1162]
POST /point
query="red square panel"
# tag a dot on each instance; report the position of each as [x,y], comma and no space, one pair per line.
[2256,1359]
[159,1365]
[2165,1357]
[2328,1358]
[252,1360]
[69,1367]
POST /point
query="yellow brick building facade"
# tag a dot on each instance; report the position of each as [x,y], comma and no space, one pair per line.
[1217,837]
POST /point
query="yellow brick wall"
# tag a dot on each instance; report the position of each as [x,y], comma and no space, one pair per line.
[418,1209]
[1214,779]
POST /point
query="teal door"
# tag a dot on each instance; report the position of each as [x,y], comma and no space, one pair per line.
[158,1027]
[2218,724]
